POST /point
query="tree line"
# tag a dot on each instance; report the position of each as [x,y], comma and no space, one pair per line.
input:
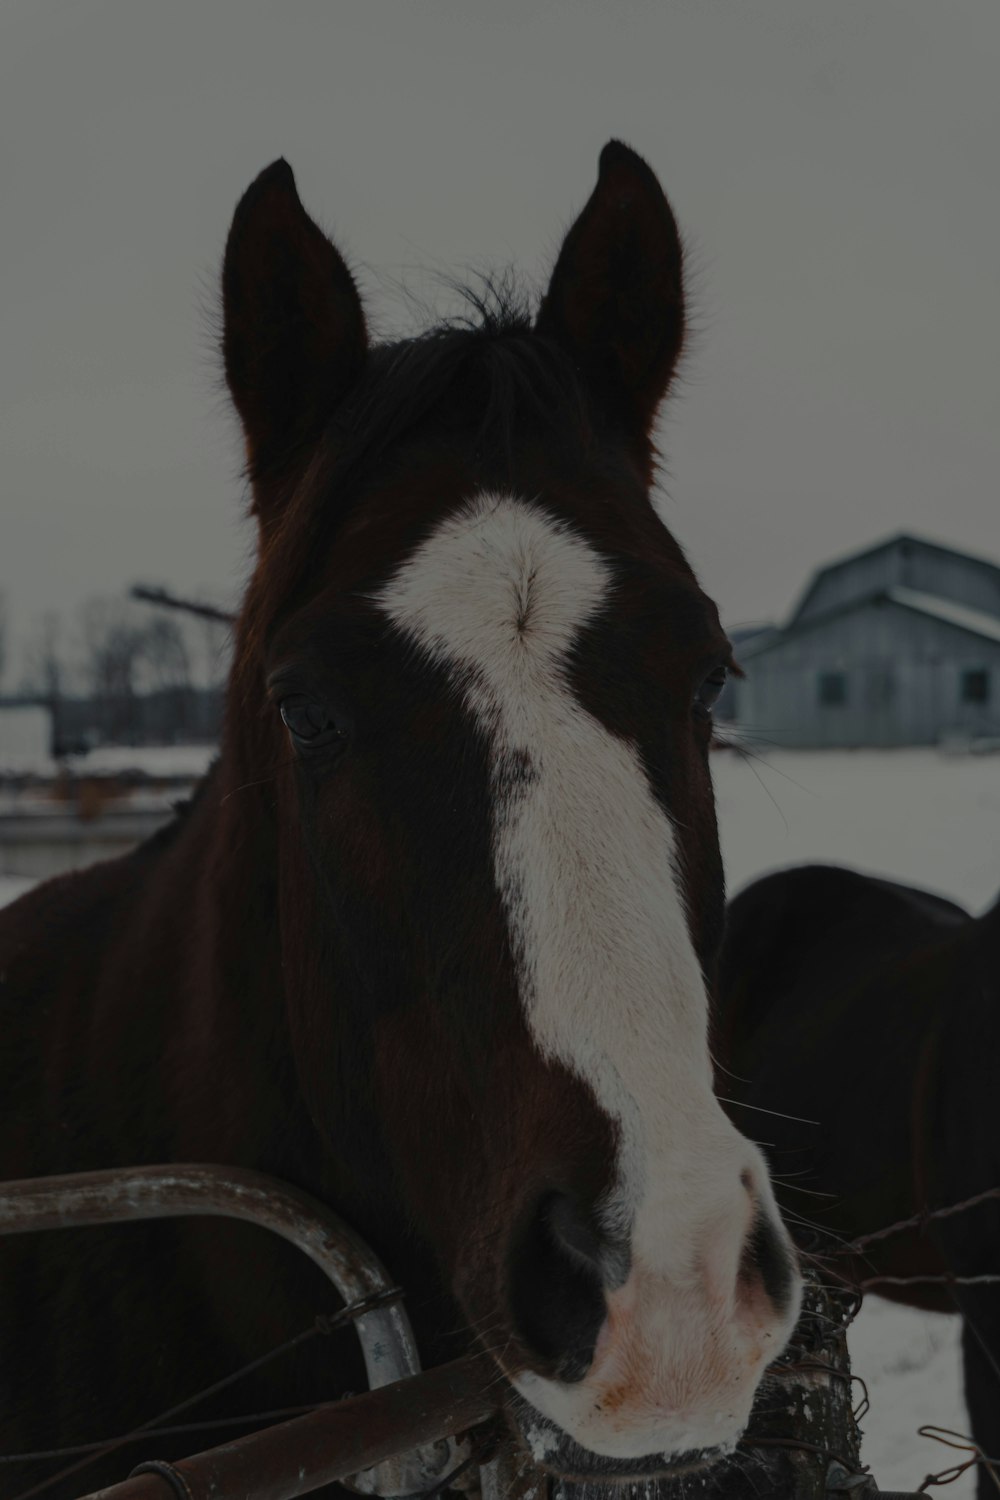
[114,652]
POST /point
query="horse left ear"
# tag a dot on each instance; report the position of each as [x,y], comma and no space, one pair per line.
[294,336]
[616,297]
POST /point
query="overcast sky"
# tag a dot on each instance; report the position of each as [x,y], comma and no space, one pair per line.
[833,167]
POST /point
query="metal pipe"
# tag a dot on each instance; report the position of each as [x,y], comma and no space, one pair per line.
[165,600]
[297,1457]
[165,1192]
[120,1195]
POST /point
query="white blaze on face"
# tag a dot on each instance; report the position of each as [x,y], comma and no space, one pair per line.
[585,859]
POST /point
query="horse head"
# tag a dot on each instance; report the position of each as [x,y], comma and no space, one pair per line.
[481,672]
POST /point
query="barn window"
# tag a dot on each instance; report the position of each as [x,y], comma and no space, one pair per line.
[832,688]
[976,686]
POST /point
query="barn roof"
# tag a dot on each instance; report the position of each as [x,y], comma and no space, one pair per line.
[900,539]
[975,622]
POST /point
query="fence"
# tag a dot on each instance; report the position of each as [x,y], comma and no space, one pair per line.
[413,1433]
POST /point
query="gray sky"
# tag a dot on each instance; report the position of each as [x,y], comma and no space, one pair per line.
[833,167]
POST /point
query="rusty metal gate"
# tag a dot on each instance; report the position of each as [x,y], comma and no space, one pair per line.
[415,1433]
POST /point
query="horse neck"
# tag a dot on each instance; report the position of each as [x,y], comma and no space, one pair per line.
[276,988]
[260,994]
[208,962]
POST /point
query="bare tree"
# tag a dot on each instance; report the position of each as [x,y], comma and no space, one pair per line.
[166,673]
[206,627]
[166,662]
[113,640]
[216,652]
[45,673]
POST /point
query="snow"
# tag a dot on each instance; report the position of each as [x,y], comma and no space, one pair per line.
[976,621]
[23,751]
[12,886]
[911,1364]
[164,761]
[921,816]
[930,819]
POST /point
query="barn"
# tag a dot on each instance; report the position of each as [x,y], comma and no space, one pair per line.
[895,645]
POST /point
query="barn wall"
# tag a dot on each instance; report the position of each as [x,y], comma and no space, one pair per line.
[913,565]
[903,679]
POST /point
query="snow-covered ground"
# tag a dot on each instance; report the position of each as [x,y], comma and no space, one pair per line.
[159,762]
[930,819]
[12,886]
[152,760]
[920,816]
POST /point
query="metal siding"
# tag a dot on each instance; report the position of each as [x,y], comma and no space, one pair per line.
[904,674]
[854,580]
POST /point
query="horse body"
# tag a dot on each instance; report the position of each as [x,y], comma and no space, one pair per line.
[866,1016]
[431,941]
[121,1045]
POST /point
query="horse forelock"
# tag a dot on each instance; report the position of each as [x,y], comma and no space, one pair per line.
[487,377]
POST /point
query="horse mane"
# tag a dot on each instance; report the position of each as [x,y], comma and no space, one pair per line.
[181,811]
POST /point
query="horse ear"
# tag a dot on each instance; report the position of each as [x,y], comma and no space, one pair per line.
[294,335]
[616,297]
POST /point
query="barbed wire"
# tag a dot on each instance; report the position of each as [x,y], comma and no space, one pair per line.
[916,1221]
[322,1325]
[960,1440]
[950,1279]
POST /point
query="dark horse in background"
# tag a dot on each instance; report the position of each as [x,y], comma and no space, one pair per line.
[432,940]
[871,1011]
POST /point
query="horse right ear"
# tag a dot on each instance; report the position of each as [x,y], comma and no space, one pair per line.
[616,298]
[294,337]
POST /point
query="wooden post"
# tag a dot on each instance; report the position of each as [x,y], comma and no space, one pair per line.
[802,1442]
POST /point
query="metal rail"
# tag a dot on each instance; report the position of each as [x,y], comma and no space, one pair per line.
[331,1444]
[358,1439]
[161,1192]
[298,1457]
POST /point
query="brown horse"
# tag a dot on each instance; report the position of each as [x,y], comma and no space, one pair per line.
[864,1017]
[432,939]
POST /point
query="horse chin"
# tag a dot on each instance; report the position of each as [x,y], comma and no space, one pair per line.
[560,1455]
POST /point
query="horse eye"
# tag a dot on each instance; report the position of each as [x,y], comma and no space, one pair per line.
[710,691]
[311,722]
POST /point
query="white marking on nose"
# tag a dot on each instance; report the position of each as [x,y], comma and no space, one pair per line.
[585,859]
[584,856]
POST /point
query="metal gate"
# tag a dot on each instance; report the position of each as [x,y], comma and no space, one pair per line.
[415,1433]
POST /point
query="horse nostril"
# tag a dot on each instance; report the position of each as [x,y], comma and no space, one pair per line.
[766,1256]
[573,1232]
[586,1243]
[557,1285]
